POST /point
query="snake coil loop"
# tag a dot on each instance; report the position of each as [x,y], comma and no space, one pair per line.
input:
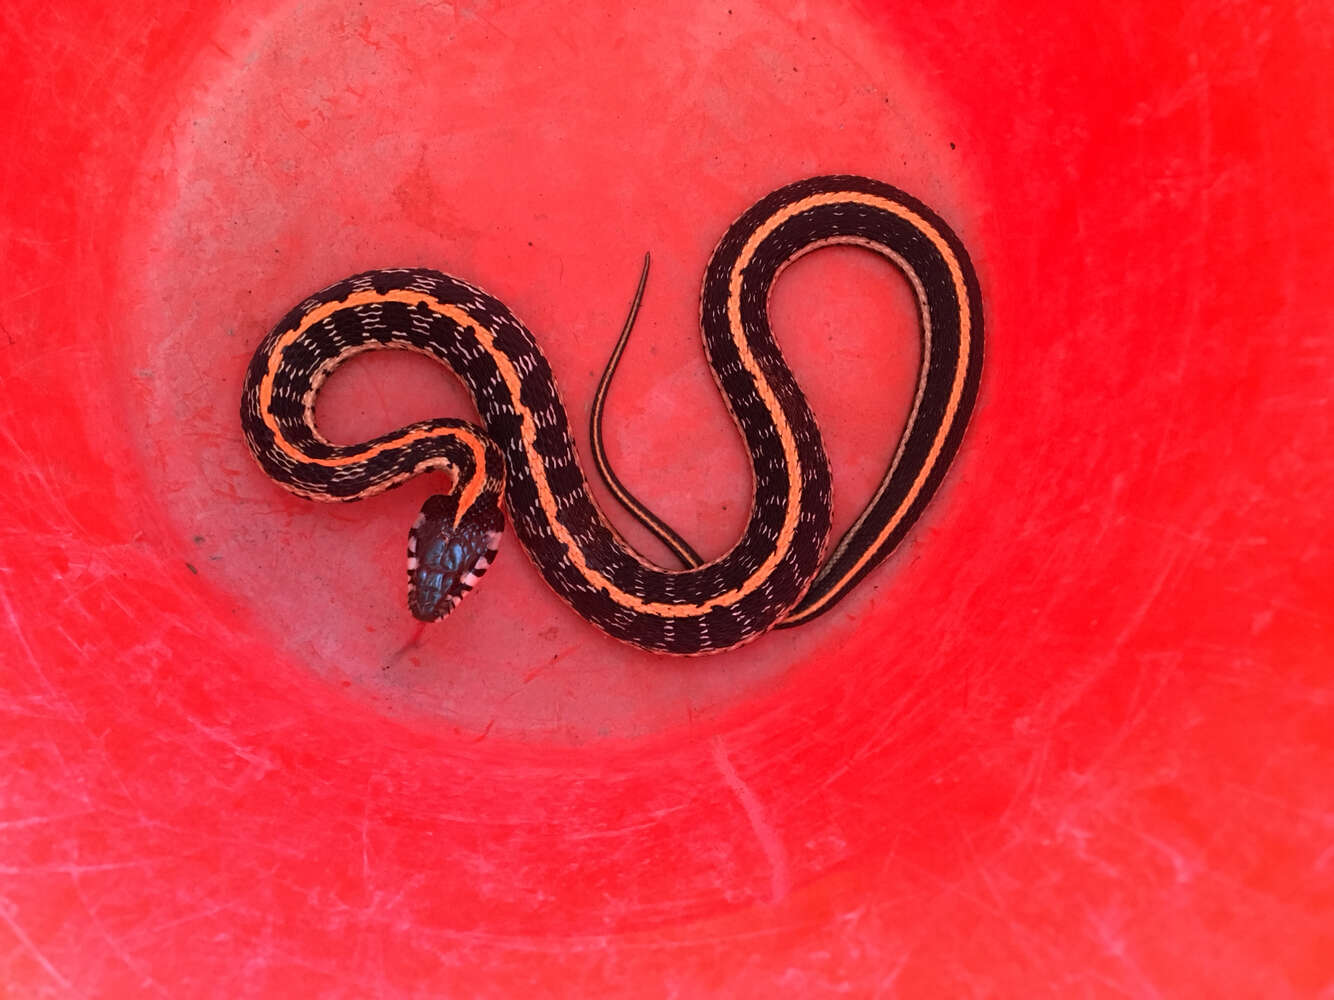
[524,454]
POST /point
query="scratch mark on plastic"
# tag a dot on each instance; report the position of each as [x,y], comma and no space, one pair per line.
[780,882]
[32,949]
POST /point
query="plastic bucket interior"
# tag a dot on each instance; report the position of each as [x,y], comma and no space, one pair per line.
[1071,739]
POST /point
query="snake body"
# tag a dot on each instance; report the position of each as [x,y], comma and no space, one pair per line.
[524,455]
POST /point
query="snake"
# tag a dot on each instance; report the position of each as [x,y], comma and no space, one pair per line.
[522,458]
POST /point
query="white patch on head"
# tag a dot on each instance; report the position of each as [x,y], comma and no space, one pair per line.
[412,544]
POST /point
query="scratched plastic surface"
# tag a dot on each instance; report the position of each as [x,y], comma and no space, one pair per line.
[1073,740]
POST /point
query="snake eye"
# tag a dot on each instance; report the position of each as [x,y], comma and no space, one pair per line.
[445,560]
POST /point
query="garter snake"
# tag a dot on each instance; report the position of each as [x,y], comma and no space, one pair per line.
[523,456]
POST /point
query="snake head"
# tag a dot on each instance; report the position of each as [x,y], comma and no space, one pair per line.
[445,558]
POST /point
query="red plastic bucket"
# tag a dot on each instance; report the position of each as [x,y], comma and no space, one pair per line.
[1068,740]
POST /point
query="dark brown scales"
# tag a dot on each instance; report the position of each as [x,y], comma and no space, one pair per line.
[760,582]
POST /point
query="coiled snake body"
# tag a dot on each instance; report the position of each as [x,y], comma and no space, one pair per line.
[524,455]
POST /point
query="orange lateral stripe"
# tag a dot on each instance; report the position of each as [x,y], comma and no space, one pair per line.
[528,433]
[471,490]
[956,388]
